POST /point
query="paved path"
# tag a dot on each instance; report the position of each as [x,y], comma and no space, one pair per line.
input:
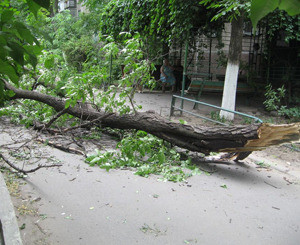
[238,204]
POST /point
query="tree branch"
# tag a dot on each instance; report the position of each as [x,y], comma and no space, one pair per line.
[89,123]
[55,117]
[61,147]
[30,170]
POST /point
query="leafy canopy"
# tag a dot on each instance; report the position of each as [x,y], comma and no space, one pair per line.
[18,45]
[162,20]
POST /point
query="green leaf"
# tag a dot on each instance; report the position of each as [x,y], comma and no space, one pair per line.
[68,103]
[8,69]
[31,53]
[32,59]
[49,62]
[11,93]
[3,37]
[43,3]
[33,7]
[34,49]
[25,33]
[95,160]
[182,121]
[46,36]
[260,8]
[6,15]
[161,157]
[17,52]
[22,227]
[292,7]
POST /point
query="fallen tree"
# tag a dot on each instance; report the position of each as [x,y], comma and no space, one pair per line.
[241,139]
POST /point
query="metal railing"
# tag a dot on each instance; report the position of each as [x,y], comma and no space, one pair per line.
[173,107]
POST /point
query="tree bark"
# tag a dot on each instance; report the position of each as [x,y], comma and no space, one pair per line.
[232,69]
[195,138]
[54,8]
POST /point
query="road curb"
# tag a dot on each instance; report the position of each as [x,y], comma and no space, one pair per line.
[10,230]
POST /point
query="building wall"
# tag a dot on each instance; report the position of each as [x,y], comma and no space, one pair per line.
[74,6]
[207,58]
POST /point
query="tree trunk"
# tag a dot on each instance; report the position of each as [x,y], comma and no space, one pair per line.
[54,8]
[232,69]
[198,139]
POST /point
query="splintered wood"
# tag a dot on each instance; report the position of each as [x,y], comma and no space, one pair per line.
[269,135]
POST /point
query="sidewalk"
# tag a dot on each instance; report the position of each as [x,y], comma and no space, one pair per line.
[9,233]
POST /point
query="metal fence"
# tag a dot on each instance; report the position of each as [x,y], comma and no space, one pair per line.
[181,109]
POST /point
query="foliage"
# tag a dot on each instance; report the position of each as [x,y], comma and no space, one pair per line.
[259,8]
[227,9]
[78,51]
[28,112]
[148,155]
[77,64]
[18,46]
[274,102]
[136,72]
[274,98]
[72,39]
[58,78]
[95,4]
[161,21]
[73,64]
[292,113]
[262,164]
[281,21]
[222,57]
[215,115]
[247,120]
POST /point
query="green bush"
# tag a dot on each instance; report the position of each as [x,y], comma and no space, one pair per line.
[291,113]
[274,102]
[274,98]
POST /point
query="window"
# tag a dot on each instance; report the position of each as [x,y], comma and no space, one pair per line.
[72,3]
[248,29]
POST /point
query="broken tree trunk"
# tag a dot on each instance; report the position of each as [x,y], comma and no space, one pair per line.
[195,138]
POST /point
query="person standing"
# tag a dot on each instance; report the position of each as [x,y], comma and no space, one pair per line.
[178,73]
[167,76]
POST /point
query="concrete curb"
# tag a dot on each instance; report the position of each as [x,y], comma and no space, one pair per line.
[9,229]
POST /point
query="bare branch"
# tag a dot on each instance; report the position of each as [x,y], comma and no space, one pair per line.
[55,118]
[61,147]
[89,123]
[27,171]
